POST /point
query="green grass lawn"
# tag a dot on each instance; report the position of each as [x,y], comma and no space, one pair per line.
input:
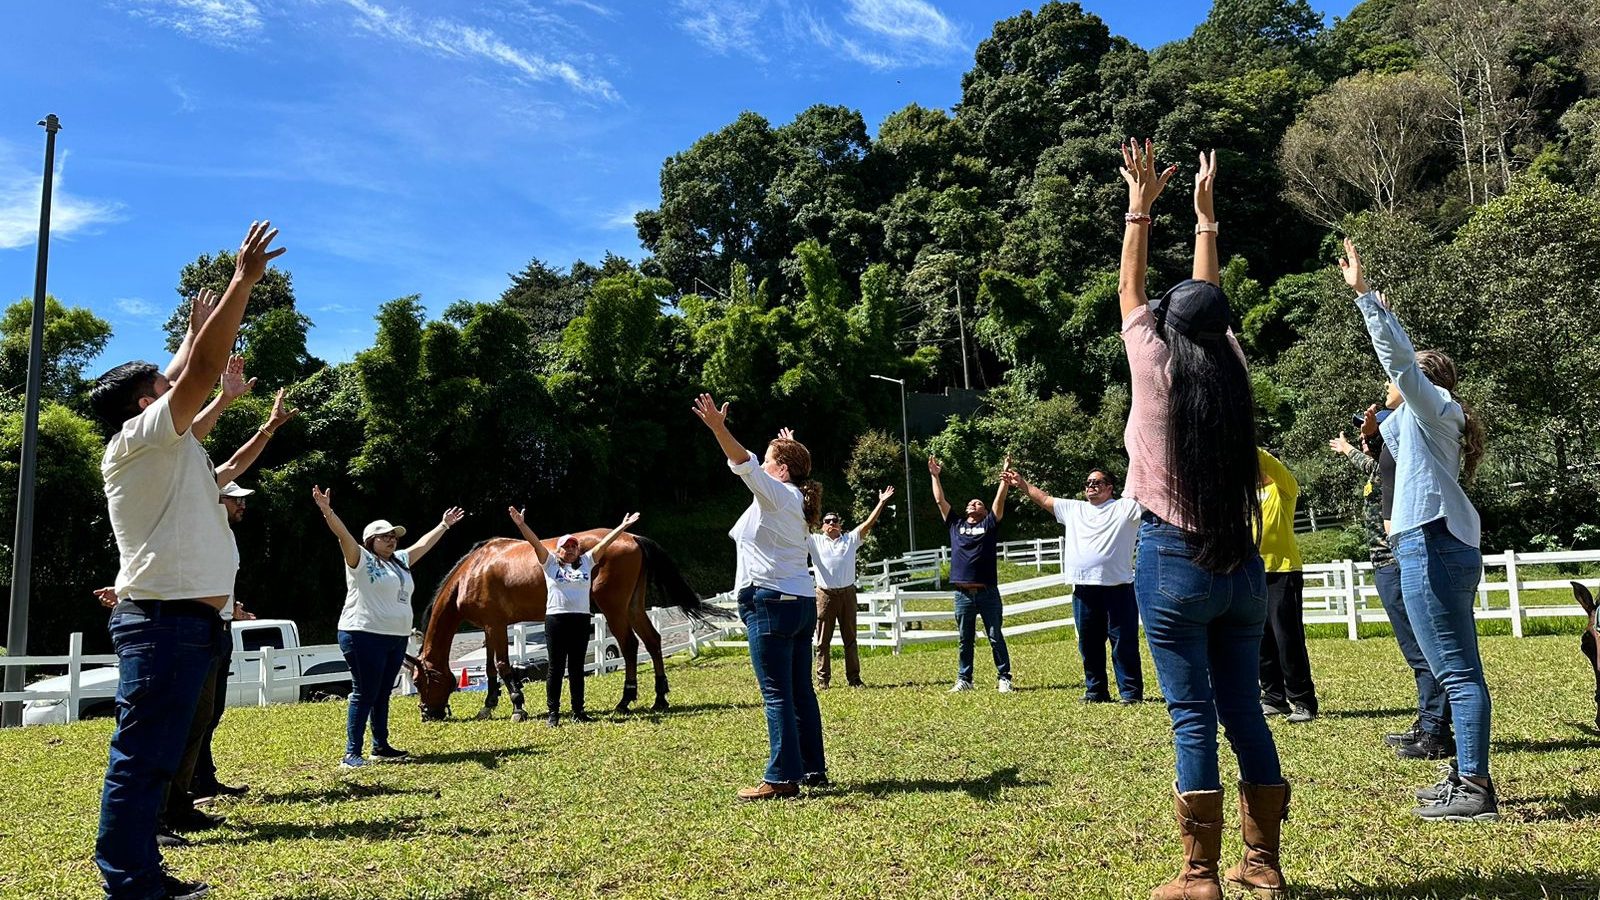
[937,795]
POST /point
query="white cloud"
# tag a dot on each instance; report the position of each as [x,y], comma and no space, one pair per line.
[20,186]
[136,307]
[726,26]
[595,8]
[452,38]
[904,21]
[881,34]
[623,216]
[224,22]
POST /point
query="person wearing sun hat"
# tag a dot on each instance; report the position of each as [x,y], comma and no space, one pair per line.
[376,621]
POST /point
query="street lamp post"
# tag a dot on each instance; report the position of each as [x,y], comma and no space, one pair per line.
[905,444]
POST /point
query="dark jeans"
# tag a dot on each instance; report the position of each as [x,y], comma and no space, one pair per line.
[1285,664]
[205,769]
[566,640]
[164,649]
[1438,578]
[1102,611]
[1205,631]
[970,604]
[179,797]
[374,661]
[1433,709]
[779,629]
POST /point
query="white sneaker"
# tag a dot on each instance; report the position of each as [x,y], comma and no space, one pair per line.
[961,685]
[1004,686]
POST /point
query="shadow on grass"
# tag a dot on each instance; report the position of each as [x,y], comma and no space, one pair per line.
[350,790]
[1539,885]
[891,685]
[1367,713]
[489,759]
[396,828]
[1568,807]
[981,787]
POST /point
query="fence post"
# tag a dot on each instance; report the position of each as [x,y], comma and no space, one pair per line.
[897,607]
[1352,598]
[1313,513]
[1513,584]
[74,669]
[264,689]
[1038,555]
[938,569]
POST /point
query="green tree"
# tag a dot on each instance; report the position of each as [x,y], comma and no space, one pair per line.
[73,336]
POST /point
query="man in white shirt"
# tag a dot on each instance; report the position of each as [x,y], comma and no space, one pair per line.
[1098,565]
[177,571]
[833,560]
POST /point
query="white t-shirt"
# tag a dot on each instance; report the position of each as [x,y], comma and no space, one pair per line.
[771,537]
[161,490]
[567,587]
[227,608]
[1100,539]
[835,560]
[377,595]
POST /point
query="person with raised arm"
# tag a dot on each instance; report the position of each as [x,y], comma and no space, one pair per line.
[568,576]
[176,572]
[974,573]
[775,593]
[1437,442]
[376,621]
[1098,566]
[1192,465]
[833,554]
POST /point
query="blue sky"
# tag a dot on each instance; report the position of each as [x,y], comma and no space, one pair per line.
[408,146]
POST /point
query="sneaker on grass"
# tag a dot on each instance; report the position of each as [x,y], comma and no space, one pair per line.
[1463,801]
[178,889]
[1004,686]
[1301,713]
[389,754]
[1447,777]
[352,761]
[961,685]
[1428,746]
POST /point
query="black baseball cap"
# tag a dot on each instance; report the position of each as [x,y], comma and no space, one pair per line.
[1195,309]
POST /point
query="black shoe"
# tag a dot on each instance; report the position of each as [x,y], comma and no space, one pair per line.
[581,716]
[1096,698]
[192,819]
[166,839]
[1463,801]
[1299,714]
[816,780]
[553,720]
[218,789]
[388,754]
[1269,708]
[1427,746]
[178,889]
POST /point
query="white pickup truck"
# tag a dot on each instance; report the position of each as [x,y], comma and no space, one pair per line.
[98,686]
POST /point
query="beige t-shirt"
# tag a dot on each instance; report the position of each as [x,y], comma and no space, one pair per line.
[172,534]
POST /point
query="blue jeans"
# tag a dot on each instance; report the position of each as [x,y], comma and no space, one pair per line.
[1438,578]
[1433,710]
[970,604]
[779,628]
[1205,631]
[374,661]
[164,652]
[1102,611]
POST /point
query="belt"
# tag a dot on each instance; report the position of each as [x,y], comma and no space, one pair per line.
[188,609]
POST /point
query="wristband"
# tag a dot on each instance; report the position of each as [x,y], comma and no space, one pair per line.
[267,431]
[1136,218]
[1205,227]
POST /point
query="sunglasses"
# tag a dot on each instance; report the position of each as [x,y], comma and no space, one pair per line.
[830,521]
[1095,482]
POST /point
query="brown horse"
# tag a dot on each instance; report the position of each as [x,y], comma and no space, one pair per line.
[500,583]
[1591,641]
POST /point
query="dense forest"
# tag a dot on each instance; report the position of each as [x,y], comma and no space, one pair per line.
[1457,140]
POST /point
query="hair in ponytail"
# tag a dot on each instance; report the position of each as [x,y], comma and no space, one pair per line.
[1441,370]
[797,458]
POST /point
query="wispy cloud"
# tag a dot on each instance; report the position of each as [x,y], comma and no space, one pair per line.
[882,34]
[449,37]
[726,26]
[185,102]
[20,187]
[136,307]
[595,8]
[904,21]
[622,217]
[224,22]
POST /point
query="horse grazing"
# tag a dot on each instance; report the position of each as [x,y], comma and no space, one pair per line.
[499,583]
[1591,641]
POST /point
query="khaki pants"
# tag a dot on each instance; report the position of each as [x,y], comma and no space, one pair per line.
[837,604]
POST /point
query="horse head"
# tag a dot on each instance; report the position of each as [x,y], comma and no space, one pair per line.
[1591,640]
[433,688]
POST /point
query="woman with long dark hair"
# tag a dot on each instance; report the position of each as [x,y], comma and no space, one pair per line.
[1201,588]
[775,590]
[1437,443]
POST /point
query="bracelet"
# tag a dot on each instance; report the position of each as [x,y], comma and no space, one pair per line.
[1205,228]
[1136,218]
[269,432]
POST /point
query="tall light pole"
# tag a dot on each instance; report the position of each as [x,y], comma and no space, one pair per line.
[22,547]
[905,444]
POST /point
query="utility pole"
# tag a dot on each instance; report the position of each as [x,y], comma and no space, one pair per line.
[961,320]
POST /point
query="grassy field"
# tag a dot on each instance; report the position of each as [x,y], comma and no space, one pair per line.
[972,795]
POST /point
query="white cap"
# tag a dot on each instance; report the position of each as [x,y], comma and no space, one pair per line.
[232,489]
[381,526]
[565,539]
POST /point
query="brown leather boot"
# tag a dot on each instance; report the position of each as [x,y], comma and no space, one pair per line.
[766,790]
[1262,811]
[1200,821]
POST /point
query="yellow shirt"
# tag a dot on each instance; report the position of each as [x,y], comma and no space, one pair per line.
[1279,551]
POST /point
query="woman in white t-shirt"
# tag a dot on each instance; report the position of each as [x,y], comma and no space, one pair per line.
[568,576]
[775,589]
[376,621]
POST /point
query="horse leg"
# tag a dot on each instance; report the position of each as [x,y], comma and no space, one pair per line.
[493,653]
[1591,650]
[646,631]
[620,628]
[508,673]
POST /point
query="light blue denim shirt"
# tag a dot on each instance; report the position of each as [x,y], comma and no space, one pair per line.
[1424,435]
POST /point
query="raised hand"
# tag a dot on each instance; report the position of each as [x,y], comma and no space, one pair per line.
[1005,466]
[322,497]
[251,263]
[1340,445]
[706,408]
[629,519]
[785,434]
[281,412]
[1350,266]
[885,494]
[933,467]
[453,515]
[1013,478]
[234,384]
[1369,421]
[1139,171]
[1204,182]
[516,516]
[201,306]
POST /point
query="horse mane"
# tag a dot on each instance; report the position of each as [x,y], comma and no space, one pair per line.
[449,580]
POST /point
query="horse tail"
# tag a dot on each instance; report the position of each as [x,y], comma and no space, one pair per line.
[667,586]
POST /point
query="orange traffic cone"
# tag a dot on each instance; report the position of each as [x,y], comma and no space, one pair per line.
[465,681]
